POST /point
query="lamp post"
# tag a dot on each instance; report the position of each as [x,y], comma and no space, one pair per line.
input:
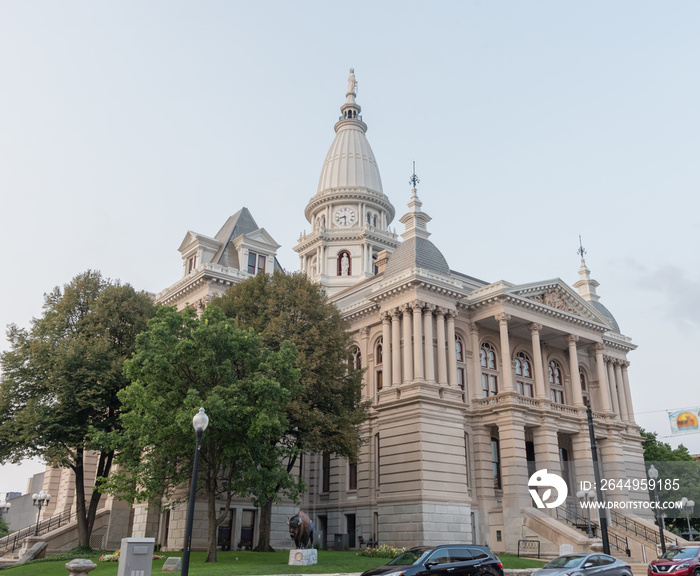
[602,512]
[40,500]
[688,508]
[653,476]
[200,422]
[587,497]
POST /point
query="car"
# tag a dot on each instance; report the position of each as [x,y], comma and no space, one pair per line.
[679,561]
[443,560]
[584,565]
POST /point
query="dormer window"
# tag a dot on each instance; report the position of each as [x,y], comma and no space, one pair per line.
[256,263]
[191,264]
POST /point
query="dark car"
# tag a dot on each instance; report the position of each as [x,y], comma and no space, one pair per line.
[585,565]
[443,560]
[679,561]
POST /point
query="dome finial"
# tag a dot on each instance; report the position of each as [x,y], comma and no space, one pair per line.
[414,180]
[352,83]
[581,250]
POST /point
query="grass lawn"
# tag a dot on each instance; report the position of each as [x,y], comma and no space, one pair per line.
[239,563]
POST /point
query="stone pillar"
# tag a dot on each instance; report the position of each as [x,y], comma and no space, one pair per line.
[387,348]
[451,349]
[622,397]
[603,387]
[575,379]
[546,440]
[428,334]
[441,357]
[613,385]
[418,370]
[476,359]
[407,353]
[511,437]
[628,394]
[396,347]
[540,386]
[502,320]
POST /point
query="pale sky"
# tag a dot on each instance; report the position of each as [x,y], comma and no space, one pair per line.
[125,124]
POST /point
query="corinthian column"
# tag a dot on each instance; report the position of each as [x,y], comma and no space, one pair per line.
[387,347]
[418,341]
[603,386]
[626,382]
[428,334]
[451,349]
[476,359]
[622,397]
[407,353]
[573,369]
[540,387]
[502,320]
[613,385]
[396,348]
[441,358]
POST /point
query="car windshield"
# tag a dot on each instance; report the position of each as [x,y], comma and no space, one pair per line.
[565,562]
[409,557]
[680,553]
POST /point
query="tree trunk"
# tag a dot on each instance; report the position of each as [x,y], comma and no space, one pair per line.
[211,520]
[79,470]
[264,529]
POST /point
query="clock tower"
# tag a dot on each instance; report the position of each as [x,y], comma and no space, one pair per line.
[350,214]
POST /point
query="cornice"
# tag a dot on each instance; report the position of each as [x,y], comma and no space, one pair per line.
[334,195]
[417,278]
[204,274]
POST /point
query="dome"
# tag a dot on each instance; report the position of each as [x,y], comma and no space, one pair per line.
[608,315]
[350,162]
[417,253]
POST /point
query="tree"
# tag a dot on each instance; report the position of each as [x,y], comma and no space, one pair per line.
[60,380]
[673,464]
[183,362]
[4,528]
[326,416]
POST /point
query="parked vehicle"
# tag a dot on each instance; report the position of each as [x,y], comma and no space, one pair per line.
[443,560]
[679,561]
[585,565]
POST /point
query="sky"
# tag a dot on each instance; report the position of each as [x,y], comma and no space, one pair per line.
[125,124]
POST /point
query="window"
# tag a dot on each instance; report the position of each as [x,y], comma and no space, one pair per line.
[556,383]
[356,358]
[489,374]
[379,373]
[352,475]
[326,473]
[523,374]
[496,463]
[344,263]
[461,368]
[584,386]
[256,263]
[191,264]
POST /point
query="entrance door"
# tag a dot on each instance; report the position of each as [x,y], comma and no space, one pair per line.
[350,520]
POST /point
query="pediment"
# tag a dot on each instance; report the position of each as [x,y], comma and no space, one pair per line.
[558,295]
[193,239]
[259,237]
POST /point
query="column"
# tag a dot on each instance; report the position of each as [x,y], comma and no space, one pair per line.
[418,371]
[573,369]
[368,377]
[396,347]
[612,384]
[476,359]
[626,382]
[540,387]
[407,355]
[603,387]
[451,349]
[387,348]
[441,358]
[622,397]
[428,334]
[502,320]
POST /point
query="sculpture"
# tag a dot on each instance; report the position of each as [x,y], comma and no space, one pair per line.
[301,529]
[352,83]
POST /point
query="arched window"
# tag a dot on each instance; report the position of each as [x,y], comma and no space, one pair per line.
[378,372]
[344,263]
[556,382]
[524,381]
[374,264]
[461,367]
[584,387]
[356,358]
[489,373]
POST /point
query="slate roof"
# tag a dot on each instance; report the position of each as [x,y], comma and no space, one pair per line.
[417,253]
[605,312]
[241,222]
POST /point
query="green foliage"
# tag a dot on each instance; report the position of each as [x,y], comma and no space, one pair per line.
[184,362]
[383,551]
[58,395]
[4,528]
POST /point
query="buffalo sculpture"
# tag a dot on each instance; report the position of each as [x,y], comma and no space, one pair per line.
[301,530]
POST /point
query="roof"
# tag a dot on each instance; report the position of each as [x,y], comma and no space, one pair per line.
[417,252]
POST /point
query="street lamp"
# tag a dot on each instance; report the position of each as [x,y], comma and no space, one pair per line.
[688,508]
[200,422]
[40,500]
[653,476]
[587,497]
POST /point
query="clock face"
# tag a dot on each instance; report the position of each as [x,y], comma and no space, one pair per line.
[345,216]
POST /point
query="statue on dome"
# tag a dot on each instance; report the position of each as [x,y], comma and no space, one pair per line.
[352,83]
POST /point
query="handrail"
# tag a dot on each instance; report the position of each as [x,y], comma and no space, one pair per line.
[11,542]
[577,520]
[638,529]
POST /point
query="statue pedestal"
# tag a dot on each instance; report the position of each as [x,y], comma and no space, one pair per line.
[303,557]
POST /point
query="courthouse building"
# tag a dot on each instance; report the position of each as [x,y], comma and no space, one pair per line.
[474,385]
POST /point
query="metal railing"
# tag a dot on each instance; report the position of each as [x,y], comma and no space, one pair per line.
[13,541]
[526,545]
[638,529]
[573,518]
